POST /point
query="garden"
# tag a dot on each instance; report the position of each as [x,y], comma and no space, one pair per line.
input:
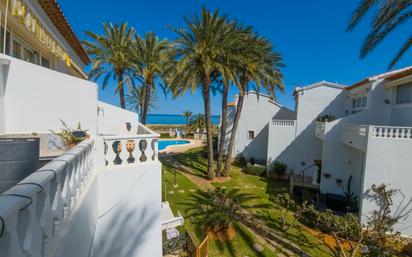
[229,209]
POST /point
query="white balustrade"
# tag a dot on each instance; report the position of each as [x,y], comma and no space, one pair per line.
[283,122]
[130,149]
[33,212]
[391,132]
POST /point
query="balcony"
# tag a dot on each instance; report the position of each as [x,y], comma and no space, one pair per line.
[283,123]
[357,136]
[320,129]
[391,132]
[103,194]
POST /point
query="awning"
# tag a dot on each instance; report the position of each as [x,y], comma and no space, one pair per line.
[168,218]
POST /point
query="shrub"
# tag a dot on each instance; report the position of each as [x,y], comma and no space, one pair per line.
[165,135]
[278,168]
[408,248]
[326,118]
[240,160]
[256,170]
[347,226]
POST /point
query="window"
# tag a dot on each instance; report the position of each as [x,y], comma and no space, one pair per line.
[250,134]
[359,103]
[7,41]
[404,94]
[45,62]
[31,56]
[16,49]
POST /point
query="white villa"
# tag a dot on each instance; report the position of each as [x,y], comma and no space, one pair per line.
[101,198]
[368,140]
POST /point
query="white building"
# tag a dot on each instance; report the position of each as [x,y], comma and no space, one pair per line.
[251,136]
[101,198]
[368,142]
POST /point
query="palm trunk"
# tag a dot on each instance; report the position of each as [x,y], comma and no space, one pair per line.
[223,128]
[233,134]
[209,139]
[146,101]
[121,90]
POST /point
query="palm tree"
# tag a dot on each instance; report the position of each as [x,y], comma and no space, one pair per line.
[389,15]
[259,67]
[198,122]
[198,53]
[135,99]
[151,57]
[110,55]
[187,114]
[229,74]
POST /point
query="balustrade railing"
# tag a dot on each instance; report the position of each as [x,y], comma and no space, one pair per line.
[130,149]
[34,212]
[391,132]
[283,122]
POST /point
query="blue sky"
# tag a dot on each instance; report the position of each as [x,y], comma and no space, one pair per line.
[310,35]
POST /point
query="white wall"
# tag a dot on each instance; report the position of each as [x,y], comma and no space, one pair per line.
[257,112]
[312,103]
[36,98]
[389,161]
[110,118]
[129,223]
[3,72]
[280,146]
[339,160]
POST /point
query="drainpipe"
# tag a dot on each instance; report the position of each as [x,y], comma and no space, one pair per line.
[5,27]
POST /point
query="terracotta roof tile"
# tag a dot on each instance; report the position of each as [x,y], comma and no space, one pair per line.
[55,13]
[400,75]
[390,75]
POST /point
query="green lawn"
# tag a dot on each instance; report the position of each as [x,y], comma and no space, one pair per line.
[242,245]
[263,188]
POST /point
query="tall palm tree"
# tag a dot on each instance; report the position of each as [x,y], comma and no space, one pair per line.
[389,15]
[110,55]
[198,122]
[135,99]
[188,115]
[199,50]
[259,67]
[228,75]
[223,127]
[151,56]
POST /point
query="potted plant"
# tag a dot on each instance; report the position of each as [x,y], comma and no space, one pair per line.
[70,136]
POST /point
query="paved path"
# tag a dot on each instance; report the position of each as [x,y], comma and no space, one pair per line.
[265,235]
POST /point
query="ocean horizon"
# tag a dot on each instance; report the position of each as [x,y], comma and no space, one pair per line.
[173,119]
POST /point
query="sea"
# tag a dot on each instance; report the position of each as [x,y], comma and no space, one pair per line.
[173,119]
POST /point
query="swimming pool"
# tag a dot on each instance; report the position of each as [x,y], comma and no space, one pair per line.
[163,144]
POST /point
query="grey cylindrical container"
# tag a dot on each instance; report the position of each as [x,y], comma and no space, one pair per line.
[19,157]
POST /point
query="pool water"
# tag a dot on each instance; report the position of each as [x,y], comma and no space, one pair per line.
[165,143]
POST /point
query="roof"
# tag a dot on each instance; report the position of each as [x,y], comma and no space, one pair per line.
[55,13]
[319,84]
[401,74]
[270,98]
[390,75]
